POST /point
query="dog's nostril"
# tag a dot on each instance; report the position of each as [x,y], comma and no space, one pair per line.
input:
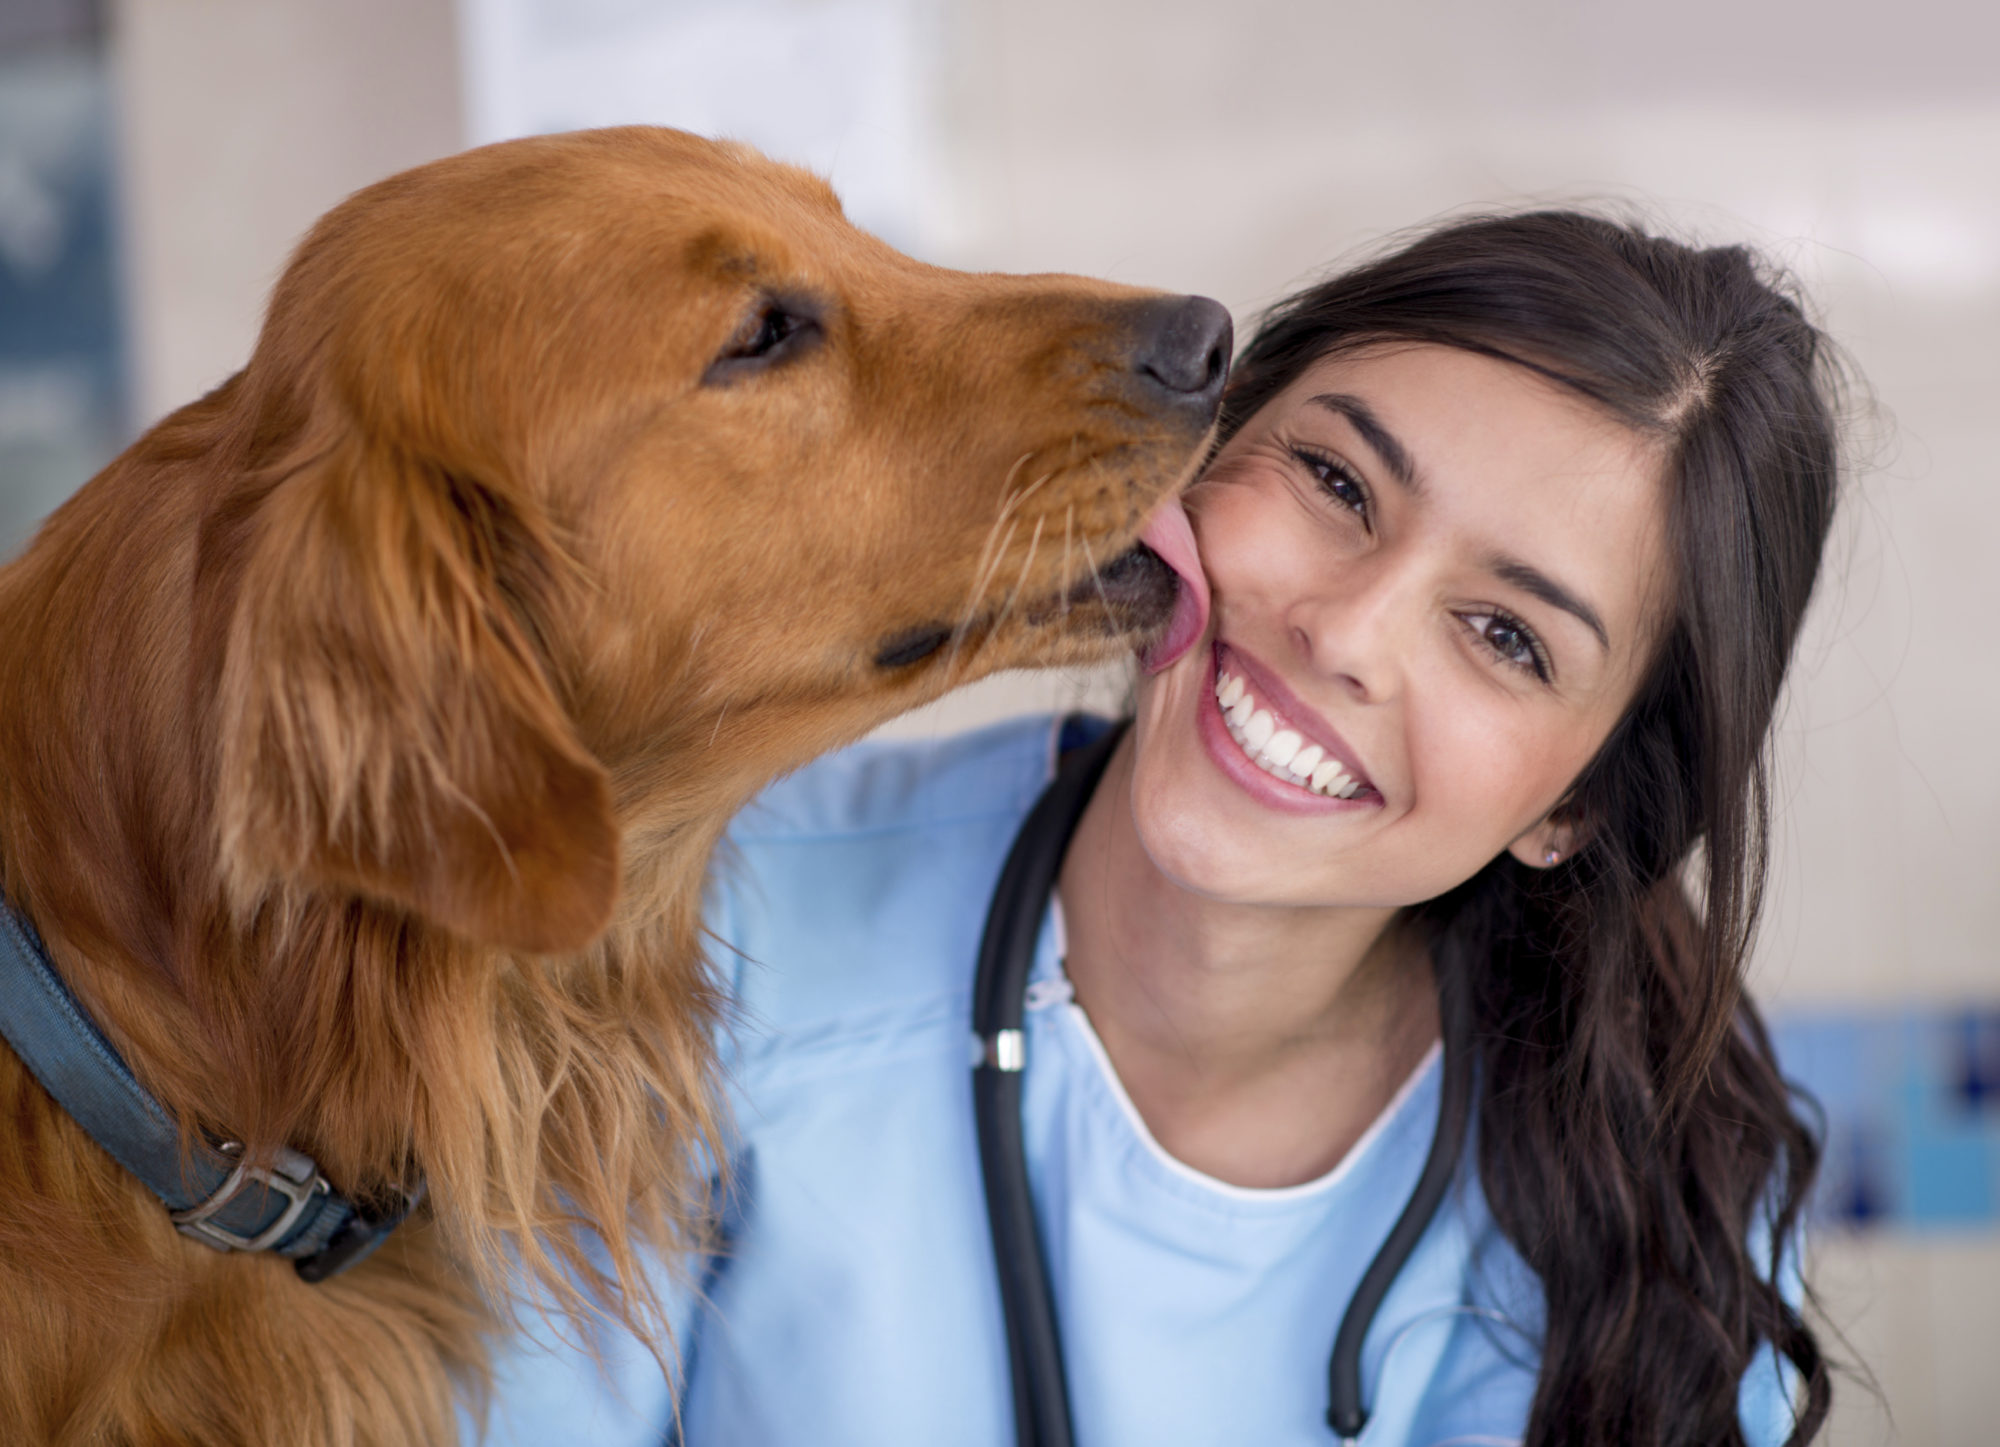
[1218,364]
[1182,344]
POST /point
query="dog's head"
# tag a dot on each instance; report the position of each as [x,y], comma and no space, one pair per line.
[597,478]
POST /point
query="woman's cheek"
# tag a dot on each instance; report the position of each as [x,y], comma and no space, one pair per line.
[1475,774]
[1506,766]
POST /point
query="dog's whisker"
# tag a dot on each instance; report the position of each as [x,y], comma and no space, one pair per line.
[983,580]
[988,567]
[1069,528]
[1010,505]
[716,733]
[997,541]
[989,553]
[1013,503]
[1007,496]
[1096,578]
[1020,583]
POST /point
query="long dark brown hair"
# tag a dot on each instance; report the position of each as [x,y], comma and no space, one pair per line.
[1635,1139]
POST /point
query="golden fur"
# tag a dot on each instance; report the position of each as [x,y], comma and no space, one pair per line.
[366,729]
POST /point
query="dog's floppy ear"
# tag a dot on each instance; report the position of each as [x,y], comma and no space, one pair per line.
[387,725]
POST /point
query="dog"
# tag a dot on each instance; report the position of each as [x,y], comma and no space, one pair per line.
[367,727]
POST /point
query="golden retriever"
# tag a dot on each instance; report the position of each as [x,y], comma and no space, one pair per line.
[366,729]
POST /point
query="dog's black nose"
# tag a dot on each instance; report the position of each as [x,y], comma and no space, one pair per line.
[1181,345]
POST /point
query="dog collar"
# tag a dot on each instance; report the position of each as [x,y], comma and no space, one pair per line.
[213,1192]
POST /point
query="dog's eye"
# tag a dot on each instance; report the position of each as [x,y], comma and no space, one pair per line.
[771,334]
[773,327]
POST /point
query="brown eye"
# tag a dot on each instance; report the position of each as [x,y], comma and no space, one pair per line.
[1336,479]
[774,327]
[1510,643]
[1511,640]
[775,332]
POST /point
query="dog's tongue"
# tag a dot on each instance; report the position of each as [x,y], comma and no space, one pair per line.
[1169,535]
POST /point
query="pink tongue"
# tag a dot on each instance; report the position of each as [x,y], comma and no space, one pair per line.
[1168,534]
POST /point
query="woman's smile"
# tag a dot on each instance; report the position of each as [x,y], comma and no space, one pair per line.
[1258,731]
[1432,578]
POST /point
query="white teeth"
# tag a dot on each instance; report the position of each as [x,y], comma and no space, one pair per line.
[1284,745]
[1280,752]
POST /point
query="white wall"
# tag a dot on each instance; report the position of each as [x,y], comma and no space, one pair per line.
[240,122]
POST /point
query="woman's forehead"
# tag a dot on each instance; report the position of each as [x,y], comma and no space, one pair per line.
[1435,383]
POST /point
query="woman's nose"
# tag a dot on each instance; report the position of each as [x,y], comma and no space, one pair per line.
[1360,629]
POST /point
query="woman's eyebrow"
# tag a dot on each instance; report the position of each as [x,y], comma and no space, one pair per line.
[1529,579]
[1538,584]
[1358,412]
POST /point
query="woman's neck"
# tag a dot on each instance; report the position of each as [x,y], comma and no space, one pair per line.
[1257,1042]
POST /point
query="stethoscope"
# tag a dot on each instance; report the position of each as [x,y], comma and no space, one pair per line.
[1006,953]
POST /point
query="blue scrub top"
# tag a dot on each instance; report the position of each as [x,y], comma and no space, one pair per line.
[854,1302]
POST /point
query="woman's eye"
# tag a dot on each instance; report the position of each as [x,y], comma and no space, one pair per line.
[1336,479]
[1512,641]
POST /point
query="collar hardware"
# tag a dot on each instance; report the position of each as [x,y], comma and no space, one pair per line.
[198,1220]
[214,1193]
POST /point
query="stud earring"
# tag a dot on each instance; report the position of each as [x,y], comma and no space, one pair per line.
[1551,859]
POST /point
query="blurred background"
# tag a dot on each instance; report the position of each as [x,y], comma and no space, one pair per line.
[158,158]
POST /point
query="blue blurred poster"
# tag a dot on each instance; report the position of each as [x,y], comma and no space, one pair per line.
[61,374]
[1911,1098]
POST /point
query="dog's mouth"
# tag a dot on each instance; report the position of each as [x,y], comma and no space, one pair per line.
[1153,595]
[1154,592]
[1136,588]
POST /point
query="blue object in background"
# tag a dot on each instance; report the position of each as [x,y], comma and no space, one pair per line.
[1977,1060]
[62,375]
[1911,1102]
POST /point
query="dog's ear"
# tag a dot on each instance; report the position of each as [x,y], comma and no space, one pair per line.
[388,725]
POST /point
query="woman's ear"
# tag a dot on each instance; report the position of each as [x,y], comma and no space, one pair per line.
[386,724]
[1550,842]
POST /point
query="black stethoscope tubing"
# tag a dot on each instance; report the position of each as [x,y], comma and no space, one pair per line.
[1006,953]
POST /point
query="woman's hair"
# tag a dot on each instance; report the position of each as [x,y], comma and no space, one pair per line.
[1635,1140]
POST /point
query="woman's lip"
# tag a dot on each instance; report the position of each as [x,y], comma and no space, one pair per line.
[1269,689]
[1228,757]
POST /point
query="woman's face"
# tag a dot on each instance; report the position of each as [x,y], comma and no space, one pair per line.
[1435,582]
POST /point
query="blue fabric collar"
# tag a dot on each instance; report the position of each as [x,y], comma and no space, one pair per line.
[279,1203]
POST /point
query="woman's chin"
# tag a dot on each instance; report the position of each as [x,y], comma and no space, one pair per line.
[1196,835]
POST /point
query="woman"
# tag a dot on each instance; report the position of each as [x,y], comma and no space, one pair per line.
[1508,538]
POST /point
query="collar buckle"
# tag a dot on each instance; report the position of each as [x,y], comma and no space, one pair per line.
[198,1220]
